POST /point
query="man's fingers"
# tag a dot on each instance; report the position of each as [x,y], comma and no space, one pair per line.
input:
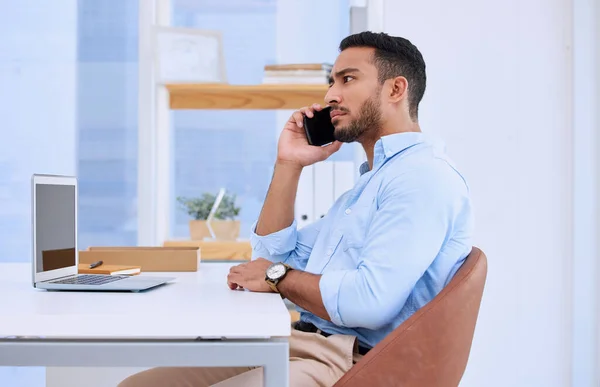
[335,146]
[308,111]
[233,285]
[330,149]
[235,278]
[298,116]
[298,119]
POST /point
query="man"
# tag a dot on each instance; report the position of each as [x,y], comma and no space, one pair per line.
[385,248]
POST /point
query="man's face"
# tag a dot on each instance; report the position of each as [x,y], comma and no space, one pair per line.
[354,95]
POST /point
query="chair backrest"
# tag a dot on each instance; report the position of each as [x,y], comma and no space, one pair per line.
[431,348]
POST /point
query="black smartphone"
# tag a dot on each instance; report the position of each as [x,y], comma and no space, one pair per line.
[319,129]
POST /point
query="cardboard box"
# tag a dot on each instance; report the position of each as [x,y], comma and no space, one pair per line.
[217,250]
[149,258]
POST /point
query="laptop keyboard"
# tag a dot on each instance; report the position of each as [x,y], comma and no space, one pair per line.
[85,279]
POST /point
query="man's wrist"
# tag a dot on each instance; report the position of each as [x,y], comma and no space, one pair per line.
[288,165]
[281,284]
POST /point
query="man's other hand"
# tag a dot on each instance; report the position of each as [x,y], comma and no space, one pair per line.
[250,275]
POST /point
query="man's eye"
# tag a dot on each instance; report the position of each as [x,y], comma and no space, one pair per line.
[348,78]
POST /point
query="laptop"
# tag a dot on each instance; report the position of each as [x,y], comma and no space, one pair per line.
[55,251]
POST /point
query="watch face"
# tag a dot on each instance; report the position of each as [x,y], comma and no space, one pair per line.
[275,271]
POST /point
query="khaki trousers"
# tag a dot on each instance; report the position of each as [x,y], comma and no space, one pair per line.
[315,360]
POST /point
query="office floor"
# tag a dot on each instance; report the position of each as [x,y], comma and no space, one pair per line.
[23,376]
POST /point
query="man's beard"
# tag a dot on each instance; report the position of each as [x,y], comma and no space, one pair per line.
[369,120]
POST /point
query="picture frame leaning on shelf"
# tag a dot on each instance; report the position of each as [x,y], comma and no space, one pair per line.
[189,55]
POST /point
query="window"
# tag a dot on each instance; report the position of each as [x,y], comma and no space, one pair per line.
[69,106]
[68,103]
[37,102]
[107,90]
[233,149]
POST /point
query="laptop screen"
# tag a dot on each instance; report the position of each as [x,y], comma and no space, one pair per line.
[55,226]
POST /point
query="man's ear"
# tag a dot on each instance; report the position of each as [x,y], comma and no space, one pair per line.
[398,89]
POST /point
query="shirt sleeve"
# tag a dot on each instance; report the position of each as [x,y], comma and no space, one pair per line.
[288,245]
[413,218]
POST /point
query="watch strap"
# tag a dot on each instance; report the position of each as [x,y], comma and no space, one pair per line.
[273,283]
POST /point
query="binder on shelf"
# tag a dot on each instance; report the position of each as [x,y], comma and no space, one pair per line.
[299,66]
[309,73]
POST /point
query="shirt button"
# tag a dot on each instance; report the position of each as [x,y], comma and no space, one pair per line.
[348,211]
[329,251]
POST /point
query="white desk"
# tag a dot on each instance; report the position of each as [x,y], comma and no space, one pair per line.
[196,321]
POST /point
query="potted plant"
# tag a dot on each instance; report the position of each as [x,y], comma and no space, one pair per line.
[224,223]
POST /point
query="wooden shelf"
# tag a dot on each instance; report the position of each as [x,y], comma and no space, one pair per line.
[223,96]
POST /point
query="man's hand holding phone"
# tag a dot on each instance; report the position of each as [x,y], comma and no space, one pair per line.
[293,147]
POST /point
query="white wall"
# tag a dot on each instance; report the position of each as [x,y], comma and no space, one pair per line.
[38,59]
[499,93]
[586,183]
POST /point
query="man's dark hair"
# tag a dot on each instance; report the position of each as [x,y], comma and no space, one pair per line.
[394,57]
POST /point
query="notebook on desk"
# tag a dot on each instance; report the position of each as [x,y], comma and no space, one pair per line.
[84,268]
[55,251]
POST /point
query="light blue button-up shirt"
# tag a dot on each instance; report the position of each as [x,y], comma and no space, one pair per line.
[387,246]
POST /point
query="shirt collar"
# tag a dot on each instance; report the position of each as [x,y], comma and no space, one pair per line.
[390,145]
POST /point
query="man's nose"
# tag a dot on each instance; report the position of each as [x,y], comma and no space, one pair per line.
[332,97]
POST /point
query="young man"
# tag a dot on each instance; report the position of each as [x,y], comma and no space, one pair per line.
[385,248]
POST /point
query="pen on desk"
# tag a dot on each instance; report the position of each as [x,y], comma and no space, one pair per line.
[96,264]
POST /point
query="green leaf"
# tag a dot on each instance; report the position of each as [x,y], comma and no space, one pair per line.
[199,208]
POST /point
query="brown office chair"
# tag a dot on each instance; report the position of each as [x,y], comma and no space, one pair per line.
[431,348]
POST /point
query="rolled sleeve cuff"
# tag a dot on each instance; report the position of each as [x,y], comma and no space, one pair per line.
[277,243]
[329,285]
